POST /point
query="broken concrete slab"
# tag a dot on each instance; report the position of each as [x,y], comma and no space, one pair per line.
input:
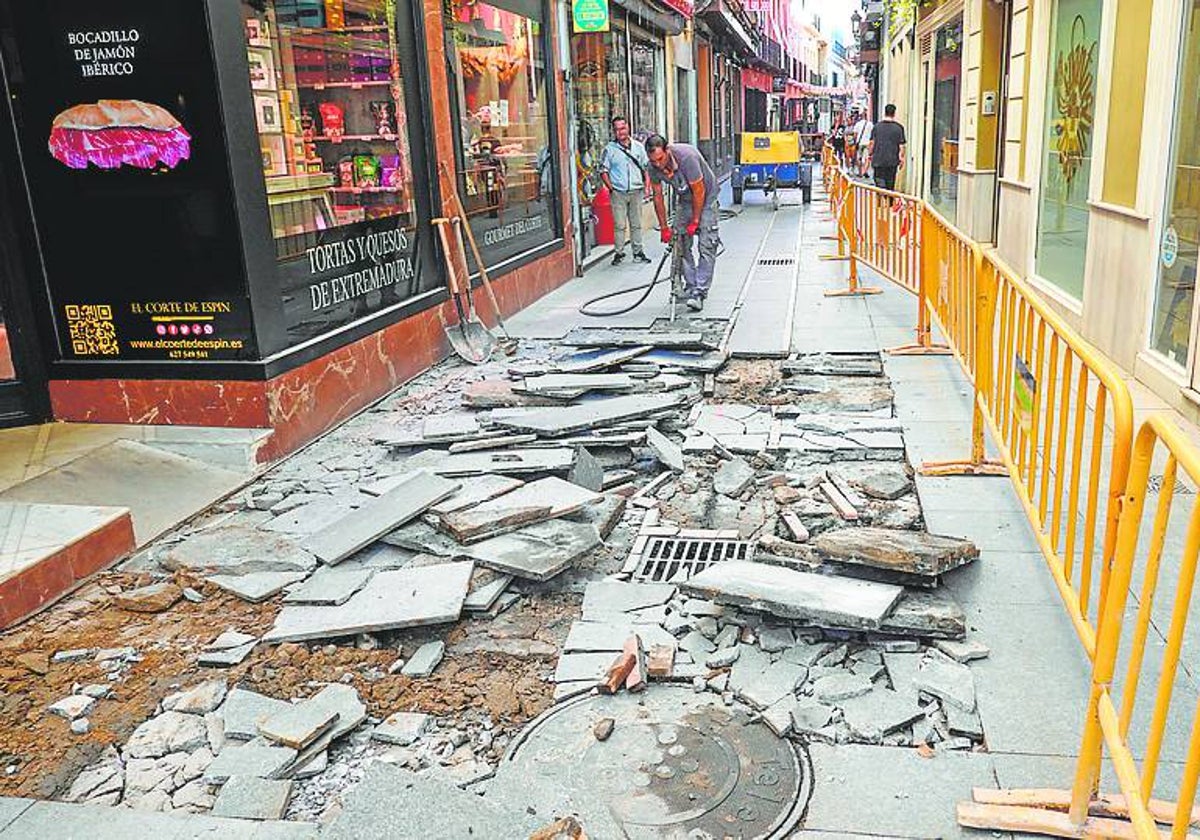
[835,364]
[258,758]
[237,550]
[344,700]
[886,483]
[72,706]
[154,598]
[500,393]
[298,725]
[927,614]
[880,712]
[315,515]
[227,657]
[422,538]
[608,337]
[964,724]
[361,527]
[597,636]
[168,732]
[537,552]
[582,667]
[667,452]
[425,660]
[604,598]
[230,639]
[478,489]
[599,359]
[454,426]
[587,472]
[557,422]
[909,553]
[329,586]
[243,710]
[256,587]
[808,716]
[250,798]
[502,462]
[402,728]
[198,700]
[835,688]
[492,442]
[571,385]
[965,651]
[486,586]
[733,477]
[770,685]
[821,600]
[604,515]
[391,600]
[949,681]
[779,716]
[547,498]
[689,360]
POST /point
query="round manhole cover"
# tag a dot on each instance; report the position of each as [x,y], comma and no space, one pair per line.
[676,762]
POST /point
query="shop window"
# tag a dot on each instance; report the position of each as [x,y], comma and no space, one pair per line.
[647,61]
[507,160]
[1068,139]
[1171,329]
[332,111]
[944,145]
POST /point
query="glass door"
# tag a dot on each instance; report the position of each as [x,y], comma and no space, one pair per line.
[24,398]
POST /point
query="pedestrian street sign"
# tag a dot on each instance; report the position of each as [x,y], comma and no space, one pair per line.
[589,15]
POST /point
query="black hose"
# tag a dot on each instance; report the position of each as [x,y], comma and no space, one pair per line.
[648,287]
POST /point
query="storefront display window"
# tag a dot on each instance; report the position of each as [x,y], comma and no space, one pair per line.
[943,151]
[601,92]
[1068,145]
[1171,329]
[507,164]
[332,116]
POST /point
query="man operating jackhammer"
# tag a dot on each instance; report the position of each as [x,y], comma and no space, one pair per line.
[696,216]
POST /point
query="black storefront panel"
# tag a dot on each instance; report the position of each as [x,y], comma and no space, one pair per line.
[123,149]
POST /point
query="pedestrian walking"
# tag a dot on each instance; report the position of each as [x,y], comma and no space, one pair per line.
[862,136]
[848,141]
[683,167]
[886,149]
[837,138]
[625,170]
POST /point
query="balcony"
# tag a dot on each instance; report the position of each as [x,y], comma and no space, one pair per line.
[770,55]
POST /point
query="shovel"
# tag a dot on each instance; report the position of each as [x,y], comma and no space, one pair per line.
[469,338]
[508,344]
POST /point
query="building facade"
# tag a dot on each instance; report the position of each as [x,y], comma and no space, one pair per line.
[221,213]
[1076,132]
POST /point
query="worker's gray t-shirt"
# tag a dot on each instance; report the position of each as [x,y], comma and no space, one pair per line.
[690,166]
[888,137]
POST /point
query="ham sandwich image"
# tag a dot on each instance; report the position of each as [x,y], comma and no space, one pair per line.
[113,133]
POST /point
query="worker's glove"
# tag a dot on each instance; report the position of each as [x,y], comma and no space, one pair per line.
[692,228]
[666,235]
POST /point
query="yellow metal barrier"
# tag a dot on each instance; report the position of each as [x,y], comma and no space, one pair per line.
[1112,727]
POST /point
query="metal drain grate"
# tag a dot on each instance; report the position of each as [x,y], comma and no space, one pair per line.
[676,559]
[778,261]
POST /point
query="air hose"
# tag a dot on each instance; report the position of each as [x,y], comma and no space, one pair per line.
[644,288]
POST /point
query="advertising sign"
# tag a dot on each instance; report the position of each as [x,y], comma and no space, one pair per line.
[589,15]
[118,118]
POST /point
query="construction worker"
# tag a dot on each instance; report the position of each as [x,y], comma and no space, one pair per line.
[696,215]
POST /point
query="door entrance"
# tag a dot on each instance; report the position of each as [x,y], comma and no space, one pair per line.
[24,398]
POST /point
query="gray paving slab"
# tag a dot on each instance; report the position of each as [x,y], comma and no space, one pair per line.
[486,587]
[394,803]
[243,710]
[425,660]
[587,471]
[823,600]
[582,667]
[478,489]
[609,597]
[247,797]
[344,700]
[1004,577]
[999,531]
[546,498]
[538,552]
[329,586]
[502,462]
[298,725]
[607,337]
[391,600]
[595,636]
[666,450]
[258,757]
[895,791]
[556,422]
[256,586]
[63,821]
[237,550]
[372,520]
[12,807]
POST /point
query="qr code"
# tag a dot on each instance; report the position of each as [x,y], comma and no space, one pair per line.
[92,330]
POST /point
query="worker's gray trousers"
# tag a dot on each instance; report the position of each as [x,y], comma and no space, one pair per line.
[698,277]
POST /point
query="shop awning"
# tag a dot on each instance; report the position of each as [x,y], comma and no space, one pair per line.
[648,14]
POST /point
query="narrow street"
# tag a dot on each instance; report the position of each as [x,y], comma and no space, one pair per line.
[400,630]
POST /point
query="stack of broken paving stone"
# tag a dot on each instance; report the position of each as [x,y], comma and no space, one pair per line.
[826,684]
[232,752]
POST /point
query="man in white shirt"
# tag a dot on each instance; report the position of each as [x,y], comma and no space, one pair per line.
[862,136]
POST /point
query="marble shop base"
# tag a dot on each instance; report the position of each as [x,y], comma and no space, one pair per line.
[302,404]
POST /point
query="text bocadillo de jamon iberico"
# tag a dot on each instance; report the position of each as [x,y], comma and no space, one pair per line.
[119,132]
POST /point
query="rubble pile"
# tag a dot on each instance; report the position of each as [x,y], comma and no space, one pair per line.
[755,539]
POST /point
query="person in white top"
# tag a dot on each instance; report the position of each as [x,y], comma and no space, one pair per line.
[862,136]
